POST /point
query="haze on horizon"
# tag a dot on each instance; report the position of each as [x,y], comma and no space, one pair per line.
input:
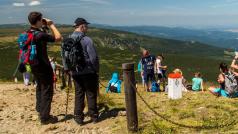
[186,13]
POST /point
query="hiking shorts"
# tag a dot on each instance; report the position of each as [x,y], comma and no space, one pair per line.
[149,77]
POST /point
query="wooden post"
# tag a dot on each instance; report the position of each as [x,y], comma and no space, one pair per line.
[130,96]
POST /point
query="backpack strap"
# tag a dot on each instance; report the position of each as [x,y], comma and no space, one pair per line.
[34,33]
[79,38]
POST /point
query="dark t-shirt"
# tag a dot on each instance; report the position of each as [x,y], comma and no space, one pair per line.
[148,64]
[41,40]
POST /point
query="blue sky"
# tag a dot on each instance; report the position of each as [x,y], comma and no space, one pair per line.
[197,13]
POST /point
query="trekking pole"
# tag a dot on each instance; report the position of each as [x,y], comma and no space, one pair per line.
[15,72]
[67,101]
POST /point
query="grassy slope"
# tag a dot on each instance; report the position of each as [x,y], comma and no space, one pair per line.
[192,109]
[190,57]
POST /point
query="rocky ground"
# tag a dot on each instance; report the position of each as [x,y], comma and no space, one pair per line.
[18,115]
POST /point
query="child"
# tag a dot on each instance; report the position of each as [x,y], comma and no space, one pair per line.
[114,84]
[139,68]
[197,82]
[27,74]
[160,70]
[53,65]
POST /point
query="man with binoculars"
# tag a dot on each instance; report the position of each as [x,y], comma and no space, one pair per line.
[41,67]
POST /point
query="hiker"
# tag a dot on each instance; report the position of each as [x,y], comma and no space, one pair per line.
[184,81]
[148,62]
[84,71]
[197,82]
[160,70]
[27,75]
[41,67]
[139,69]
[228,83]
[54,65]
[114,85]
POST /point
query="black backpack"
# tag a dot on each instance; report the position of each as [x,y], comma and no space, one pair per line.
[73,53]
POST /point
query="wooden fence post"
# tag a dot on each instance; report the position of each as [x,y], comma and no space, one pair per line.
[130,96]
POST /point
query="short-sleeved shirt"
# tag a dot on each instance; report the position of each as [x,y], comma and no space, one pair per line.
[197,83]
[158,66]
[41,39]
[148,64]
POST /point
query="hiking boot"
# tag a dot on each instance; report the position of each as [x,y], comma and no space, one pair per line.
[79,121]
[50,120]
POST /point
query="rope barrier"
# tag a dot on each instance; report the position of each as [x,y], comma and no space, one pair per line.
[171,121]
[176,123]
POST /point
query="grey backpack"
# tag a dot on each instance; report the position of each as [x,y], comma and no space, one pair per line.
[231,83]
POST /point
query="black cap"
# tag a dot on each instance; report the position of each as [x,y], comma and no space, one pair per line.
[80,21]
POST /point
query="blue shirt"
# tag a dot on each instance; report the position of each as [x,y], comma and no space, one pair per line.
[197,83]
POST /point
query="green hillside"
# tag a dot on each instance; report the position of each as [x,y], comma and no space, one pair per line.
[117,47]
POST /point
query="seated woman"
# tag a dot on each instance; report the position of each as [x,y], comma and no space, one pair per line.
[223,89]
[114,84]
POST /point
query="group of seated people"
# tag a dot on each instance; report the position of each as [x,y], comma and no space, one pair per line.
[153,75]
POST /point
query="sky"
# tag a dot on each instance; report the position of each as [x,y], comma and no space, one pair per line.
[194,13]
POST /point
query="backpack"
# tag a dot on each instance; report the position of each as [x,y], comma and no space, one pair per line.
[231,83]
[73,53]
[27,52]
[155,87]
[113,88]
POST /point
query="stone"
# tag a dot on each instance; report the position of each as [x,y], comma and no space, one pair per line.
[34,117]
[122,113]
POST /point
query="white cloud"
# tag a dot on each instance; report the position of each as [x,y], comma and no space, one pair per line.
[18,4]
[34,3]
[227,3]
[103,2]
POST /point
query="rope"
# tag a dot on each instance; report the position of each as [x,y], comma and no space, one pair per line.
[176,123]
[102,84]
